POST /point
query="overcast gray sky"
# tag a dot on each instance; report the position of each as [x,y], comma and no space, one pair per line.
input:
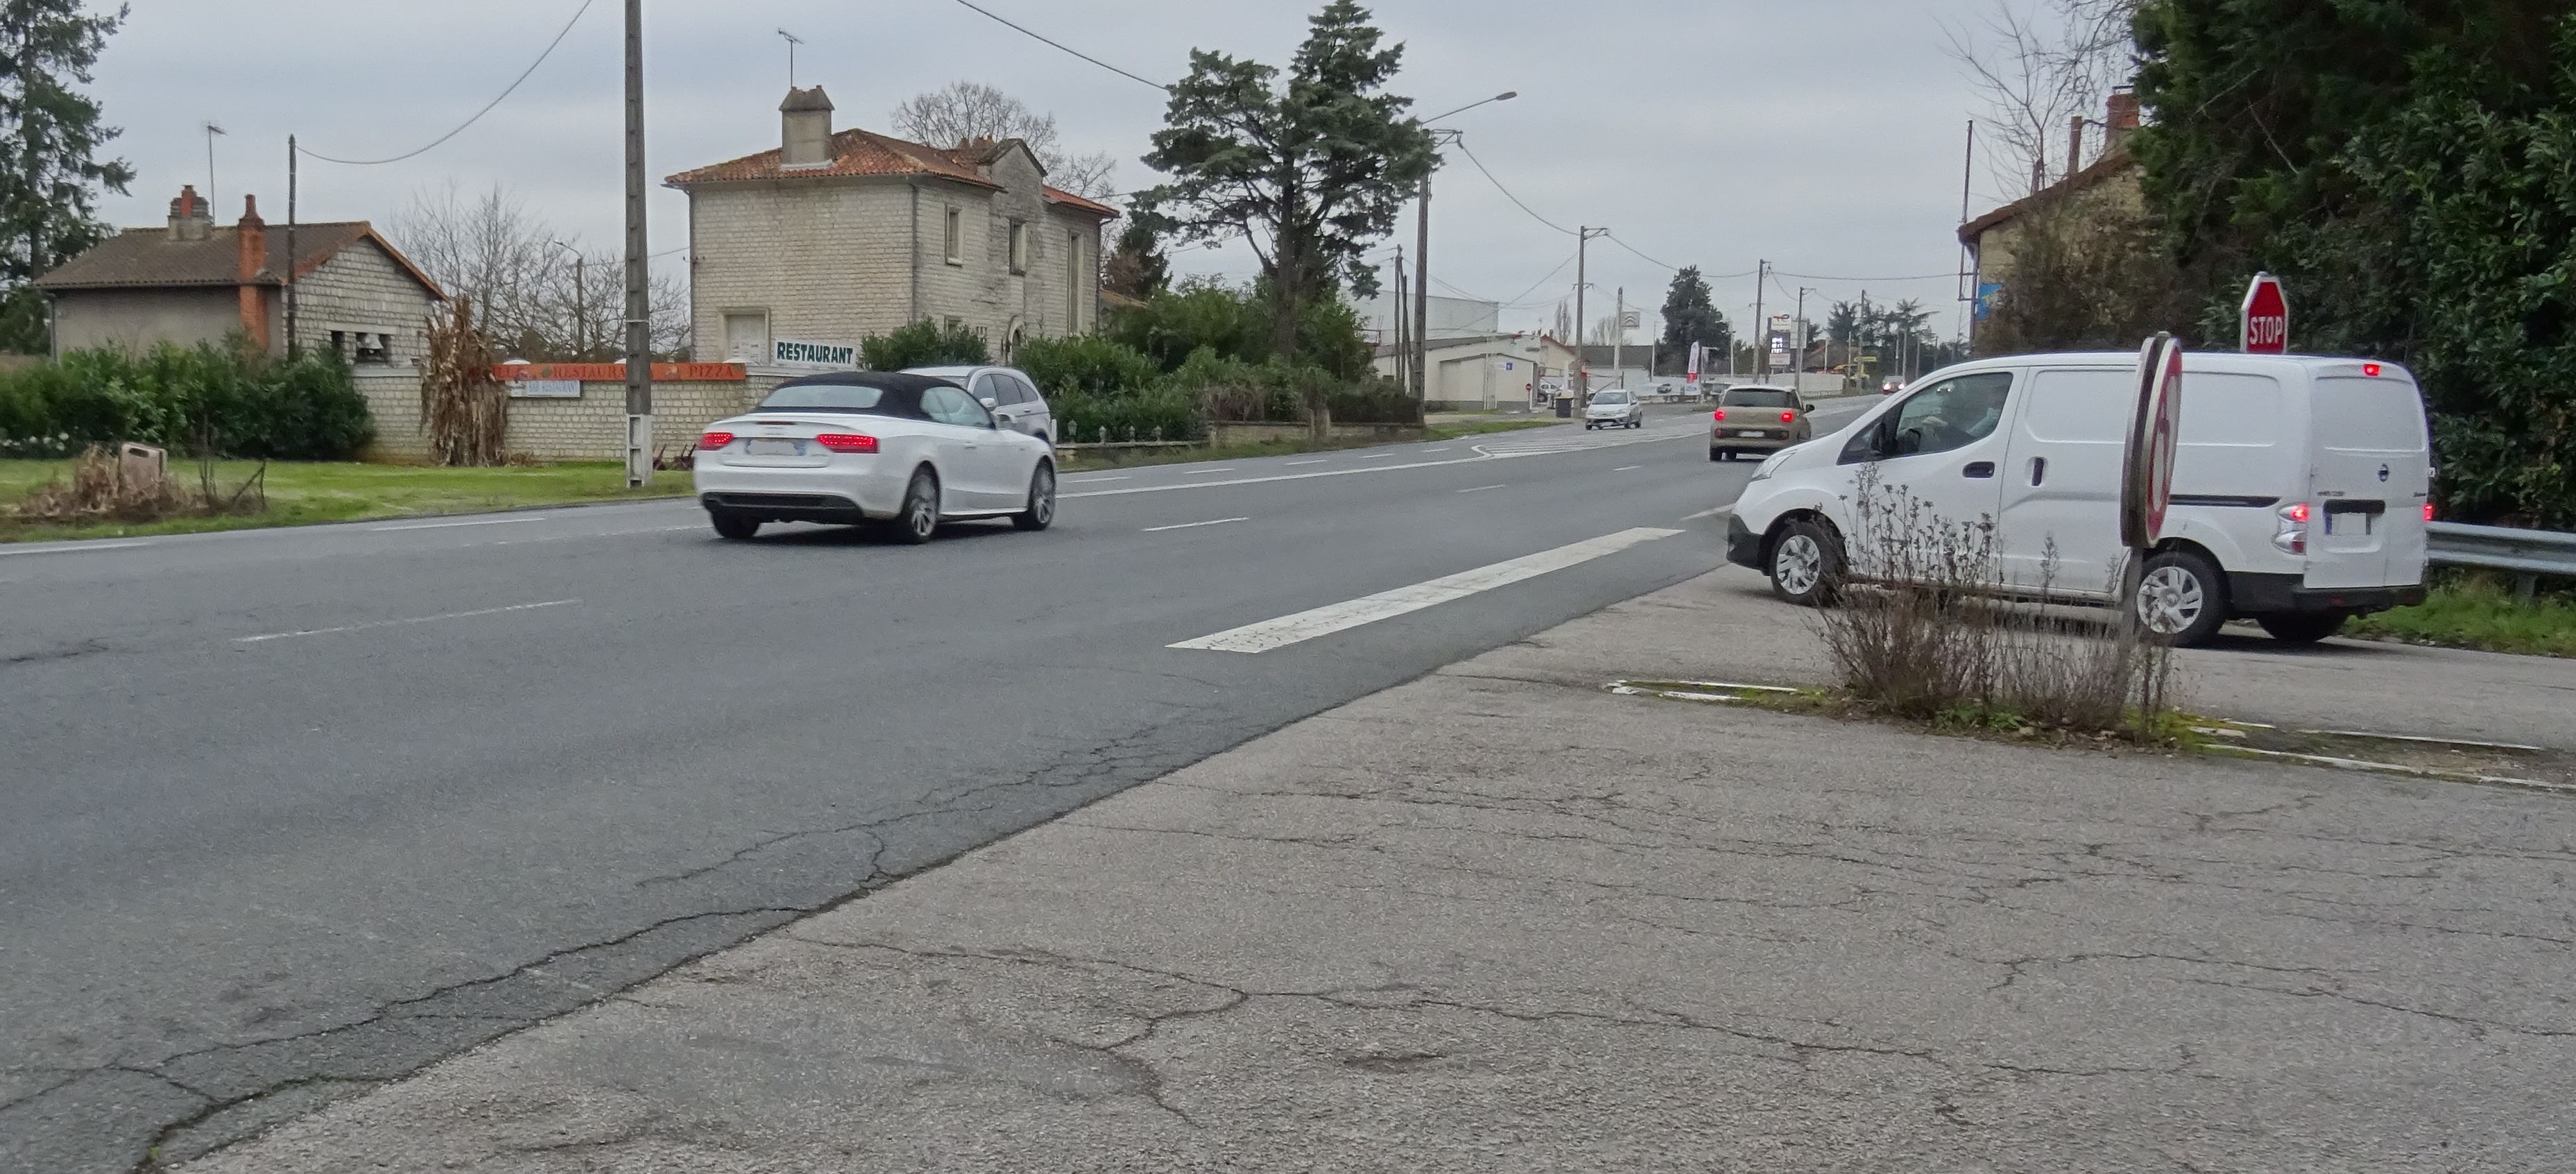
[1824,135]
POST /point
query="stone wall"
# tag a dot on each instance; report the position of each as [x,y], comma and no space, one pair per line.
[360,290]
[589,428]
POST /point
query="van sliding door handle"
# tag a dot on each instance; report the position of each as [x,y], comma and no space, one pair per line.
[2038,470]
[1978,469]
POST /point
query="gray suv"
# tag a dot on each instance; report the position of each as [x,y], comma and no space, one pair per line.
[1008,391]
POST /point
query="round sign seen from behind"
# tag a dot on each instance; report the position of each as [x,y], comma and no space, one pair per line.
[2146,483]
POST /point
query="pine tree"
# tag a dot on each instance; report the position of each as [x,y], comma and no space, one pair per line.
[1138,268]
[1690,315]
[50,173]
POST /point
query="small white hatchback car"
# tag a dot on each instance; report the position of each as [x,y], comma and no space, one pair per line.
[860,447]
[1614,408]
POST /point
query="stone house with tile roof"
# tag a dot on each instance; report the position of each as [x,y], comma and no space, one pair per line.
[195,281]
[835,236]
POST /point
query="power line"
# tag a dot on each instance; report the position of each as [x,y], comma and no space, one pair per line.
[1522,302]
[1614,239]
[478,115]
[1461,144]
[1044,39]
[1953,276]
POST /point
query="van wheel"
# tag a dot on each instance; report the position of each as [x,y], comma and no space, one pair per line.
[2305,627]
[2183,598]
[1806,565]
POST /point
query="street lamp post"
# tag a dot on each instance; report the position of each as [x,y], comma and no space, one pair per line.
[580,303]
[1421,358]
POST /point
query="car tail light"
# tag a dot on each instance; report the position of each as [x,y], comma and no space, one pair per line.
[2292,536]
[1788,417]
[2370,369]
[847,442]
[1721,414]
[715,440]
[2428,511]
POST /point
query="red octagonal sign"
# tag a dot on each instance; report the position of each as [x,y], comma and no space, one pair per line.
[2266,321]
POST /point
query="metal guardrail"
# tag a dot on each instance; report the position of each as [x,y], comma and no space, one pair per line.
[2528,553]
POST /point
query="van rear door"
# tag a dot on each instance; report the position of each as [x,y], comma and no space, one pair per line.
[2371,472]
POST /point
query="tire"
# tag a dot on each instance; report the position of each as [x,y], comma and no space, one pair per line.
[732,525]
[2183,598]
[1806,564]
[918,520]
[1041,511]
[2305,627]
[1717,454]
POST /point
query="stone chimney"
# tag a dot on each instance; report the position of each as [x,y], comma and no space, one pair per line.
[2123,119]
[805,128]
[252,234]
[190,218]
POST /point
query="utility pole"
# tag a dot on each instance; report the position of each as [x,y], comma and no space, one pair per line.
[1761,325]
[1619,338]
[1405,371]
[639,294]
[1798,343]
[1420,360]
[1582,362]
[580,304]
[1970,276]
[290,247]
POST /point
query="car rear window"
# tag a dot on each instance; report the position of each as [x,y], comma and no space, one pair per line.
[2368,415]
[826,397]
[1756,398]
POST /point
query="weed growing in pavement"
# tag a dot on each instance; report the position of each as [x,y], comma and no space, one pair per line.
[1926,627]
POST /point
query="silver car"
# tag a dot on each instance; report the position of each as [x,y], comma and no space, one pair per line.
[1007,392]
[1614,408]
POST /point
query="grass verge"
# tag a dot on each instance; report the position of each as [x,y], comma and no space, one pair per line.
[2478,613]
[302,494]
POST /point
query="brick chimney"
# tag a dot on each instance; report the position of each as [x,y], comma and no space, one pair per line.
[190,218]
[805,128]
[252,236]
[2123,118]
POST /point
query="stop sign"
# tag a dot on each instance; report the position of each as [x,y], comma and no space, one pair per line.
[2266,322]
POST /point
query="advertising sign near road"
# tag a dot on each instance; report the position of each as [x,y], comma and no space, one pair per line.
[1697,353]
[2146,482]
[2266,320]
[789,352]
[545,389]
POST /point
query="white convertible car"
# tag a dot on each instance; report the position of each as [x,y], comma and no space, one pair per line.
[861,447]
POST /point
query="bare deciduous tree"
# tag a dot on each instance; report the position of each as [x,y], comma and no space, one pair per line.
[2039,66]
[532,300]
[965,111]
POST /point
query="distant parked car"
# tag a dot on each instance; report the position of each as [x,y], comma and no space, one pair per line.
[1757,419]
[1891,386]
[1007,392]
[1614,408]
[855,447]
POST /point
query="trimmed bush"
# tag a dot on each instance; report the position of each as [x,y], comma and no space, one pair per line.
[1088,365]
[240,403]
[1161,413]
[949,343]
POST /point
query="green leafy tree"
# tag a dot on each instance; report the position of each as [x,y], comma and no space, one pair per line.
[1309,168]
[925,343]
[50,173]
[1137,268]
[1690,315]
[2405,168]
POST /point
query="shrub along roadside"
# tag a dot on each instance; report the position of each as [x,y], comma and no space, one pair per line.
[2478,613]
[238,402]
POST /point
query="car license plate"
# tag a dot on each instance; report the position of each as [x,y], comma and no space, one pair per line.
[1750,432]
[775,448]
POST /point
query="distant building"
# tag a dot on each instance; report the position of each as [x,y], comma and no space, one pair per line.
[1489,372]
[2109,183]
[834,236]
[196,281]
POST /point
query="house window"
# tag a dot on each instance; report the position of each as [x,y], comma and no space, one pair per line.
[340,343]
[747,335]
[374,348]
[1072,282]
[1019,247]
[956,236]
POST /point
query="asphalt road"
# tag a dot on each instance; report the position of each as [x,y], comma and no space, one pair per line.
[294,812]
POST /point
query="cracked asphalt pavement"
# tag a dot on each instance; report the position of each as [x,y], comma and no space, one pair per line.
[1499,919]
[294,813]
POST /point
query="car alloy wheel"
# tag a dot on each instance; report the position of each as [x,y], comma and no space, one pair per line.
[920,517]
[1041,511]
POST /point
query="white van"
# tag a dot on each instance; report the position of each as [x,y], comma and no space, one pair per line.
[2300,487]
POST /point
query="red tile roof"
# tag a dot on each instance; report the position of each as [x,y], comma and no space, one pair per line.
[863,152]
[149,258]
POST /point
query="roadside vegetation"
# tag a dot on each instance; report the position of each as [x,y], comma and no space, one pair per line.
[304,493]
[2478,612]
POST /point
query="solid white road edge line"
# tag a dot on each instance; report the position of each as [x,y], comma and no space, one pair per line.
[1324,621]
[1090,480]
[453,615]
[1316,461]
[1709,513]
[1277,477]
[77,549]
[449,525]
[1192,525]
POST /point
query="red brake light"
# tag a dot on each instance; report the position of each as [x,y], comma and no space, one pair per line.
[2299,513]
[715,440]
[847,442]
[2370,369]
[1721,414]
[2428,511]
[1788,417]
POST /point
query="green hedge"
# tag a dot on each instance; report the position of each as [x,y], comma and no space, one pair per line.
[247,404]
